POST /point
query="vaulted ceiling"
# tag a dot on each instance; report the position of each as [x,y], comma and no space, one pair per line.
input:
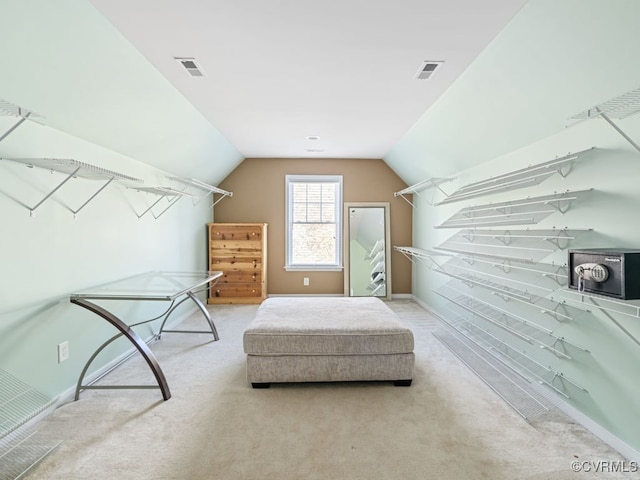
[278,72]
[275,73]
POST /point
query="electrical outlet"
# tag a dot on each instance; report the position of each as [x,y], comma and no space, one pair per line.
[63,351]
[305,281]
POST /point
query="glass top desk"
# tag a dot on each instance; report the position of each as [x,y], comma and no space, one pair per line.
[172,287]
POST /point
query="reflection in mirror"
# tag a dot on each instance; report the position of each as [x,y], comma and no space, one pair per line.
[367,243]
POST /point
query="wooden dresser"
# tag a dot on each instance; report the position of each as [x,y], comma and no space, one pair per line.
[239,250]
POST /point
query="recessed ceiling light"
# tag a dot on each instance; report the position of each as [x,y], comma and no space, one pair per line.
[313,137]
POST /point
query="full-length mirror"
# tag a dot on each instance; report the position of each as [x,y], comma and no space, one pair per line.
[367,247]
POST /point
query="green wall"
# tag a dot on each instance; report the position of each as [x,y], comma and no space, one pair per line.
[98,101]
[46,256]
[608,373]
[512,108]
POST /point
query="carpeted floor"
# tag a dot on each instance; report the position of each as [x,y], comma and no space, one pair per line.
[447,425]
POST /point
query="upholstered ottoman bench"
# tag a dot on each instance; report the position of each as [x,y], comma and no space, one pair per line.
[327,339]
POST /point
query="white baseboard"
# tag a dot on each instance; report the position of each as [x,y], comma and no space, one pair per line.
[422,304]
[305,295]
[401,296]
[595,428]
[394,296]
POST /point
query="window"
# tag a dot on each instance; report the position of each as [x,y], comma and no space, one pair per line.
[314,207]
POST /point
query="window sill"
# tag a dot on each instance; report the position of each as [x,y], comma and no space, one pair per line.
[312,268]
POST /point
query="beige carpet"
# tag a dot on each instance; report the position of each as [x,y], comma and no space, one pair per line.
[447,425]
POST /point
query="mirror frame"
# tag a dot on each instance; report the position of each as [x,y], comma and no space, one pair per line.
[346,236]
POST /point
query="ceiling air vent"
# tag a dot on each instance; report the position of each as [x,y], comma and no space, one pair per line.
[427,69]
[190,65]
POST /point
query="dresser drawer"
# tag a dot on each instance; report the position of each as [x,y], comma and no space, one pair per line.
[235,247]
[235,232]
[231,290]
[235,263]
[240,276]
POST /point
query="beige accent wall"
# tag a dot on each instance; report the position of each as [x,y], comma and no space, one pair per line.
[258,186]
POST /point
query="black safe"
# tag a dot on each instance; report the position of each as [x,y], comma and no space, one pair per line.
[622,267]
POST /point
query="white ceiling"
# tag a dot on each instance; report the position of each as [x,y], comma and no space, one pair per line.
[279,71]
[103,71]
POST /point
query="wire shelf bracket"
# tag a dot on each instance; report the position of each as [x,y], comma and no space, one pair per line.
[8,109]
[524,177]
[499,290]
[619,107]
[613,307]
[428,184]
[557,345]
[72,169]
[452,265]
[202,188]
[515,390]
[555,236]
[523,211]
[419,254]
[471,254]
[554,313]
[189,187]
[556,273]
[169,193]
[518,361]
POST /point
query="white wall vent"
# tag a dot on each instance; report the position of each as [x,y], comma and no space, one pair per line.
[427,69]
[190,65]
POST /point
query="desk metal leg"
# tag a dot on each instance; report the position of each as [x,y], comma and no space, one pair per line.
[137,342]
[203,309]
[206,314]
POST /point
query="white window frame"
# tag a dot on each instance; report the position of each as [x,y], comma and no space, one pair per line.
[290,180]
